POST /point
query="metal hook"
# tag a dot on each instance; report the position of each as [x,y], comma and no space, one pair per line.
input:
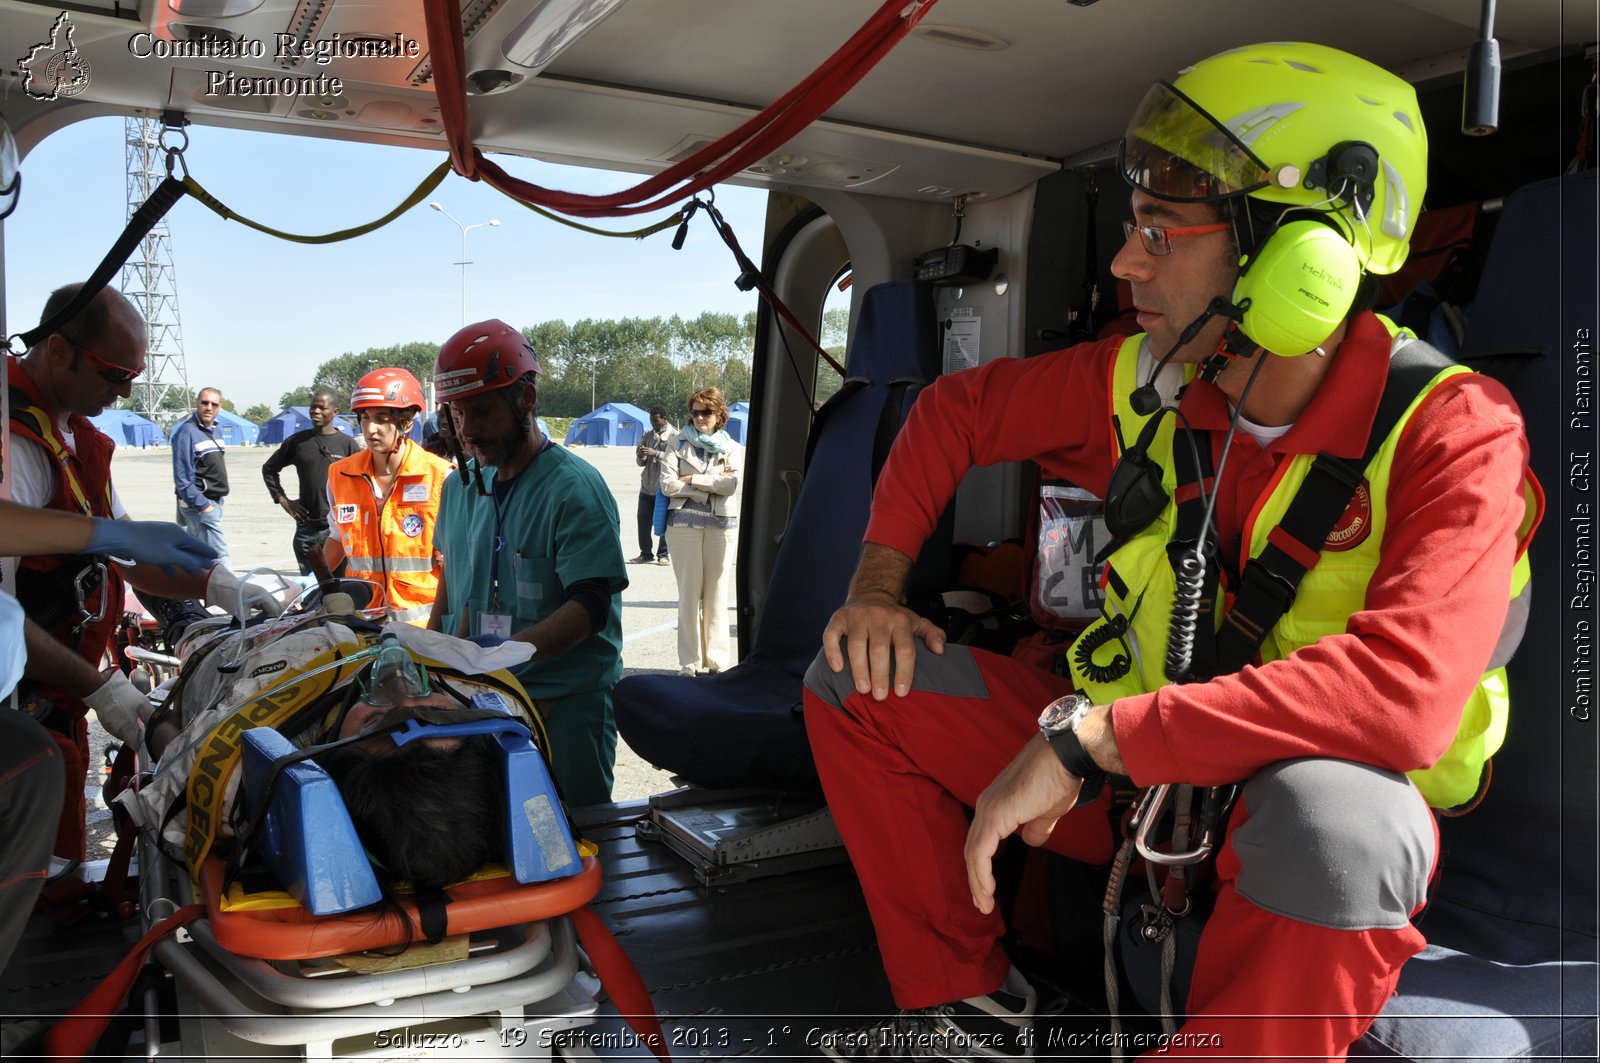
[175,151]
[1145,816]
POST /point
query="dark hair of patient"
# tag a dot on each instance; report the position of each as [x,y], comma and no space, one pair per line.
[430,816]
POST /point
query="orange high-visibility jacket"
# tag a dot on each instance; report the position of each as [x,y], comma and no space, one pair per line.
[390,541]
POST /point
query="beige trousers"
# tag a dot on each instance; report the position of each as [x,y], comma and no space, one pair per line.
[700,562]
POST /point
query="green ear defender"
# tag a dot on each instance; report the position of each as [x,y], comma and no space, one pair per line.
[1298,287]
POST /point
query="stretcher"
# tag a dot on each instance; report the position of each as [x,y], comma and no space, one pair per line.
[518,963]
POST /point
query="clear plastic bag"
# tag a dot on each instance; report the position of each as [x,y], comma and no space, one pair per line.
[1065,590]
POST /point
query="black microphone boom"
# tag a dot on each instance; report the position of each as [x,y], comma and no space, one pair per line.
[1145,400]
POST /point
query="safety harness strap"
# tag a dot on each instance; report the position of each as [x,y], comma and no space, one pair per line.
[1270,579]
[167,193]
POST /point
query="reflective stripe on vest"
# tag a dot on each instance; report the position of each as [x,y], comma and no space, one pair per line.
[1140,586]
[379,565]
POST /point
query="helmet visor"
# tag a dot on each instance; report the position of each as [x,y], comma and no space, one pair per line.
[1175,150]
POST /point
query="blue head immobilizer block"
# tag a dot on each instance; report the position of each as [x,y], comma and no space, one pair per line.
[539,844]
[306,838]
[308,841]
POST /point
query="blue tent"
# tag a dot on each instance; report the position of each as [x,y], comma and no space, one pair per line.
[739,421]
[616,424]
[125,426]
[292,419]
[235,430]
[635,412]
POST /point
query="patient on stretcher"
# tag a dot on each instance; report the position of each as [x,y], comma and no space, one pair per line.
[433,751]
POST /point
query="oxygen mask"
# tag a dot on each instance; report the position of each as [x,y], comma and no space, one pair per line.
[393,677]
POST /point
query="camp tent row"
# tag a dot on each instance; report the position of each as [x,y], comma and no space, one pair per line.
[128,427]
[622,424]
[292,419]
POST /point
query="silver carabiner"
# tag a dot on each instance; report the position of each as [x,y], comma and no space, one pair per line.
[1145,816]
[81,590]
[175,152]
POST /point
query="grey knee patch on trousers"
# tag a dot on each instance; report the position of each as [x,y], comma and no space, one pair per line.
[953,673]
[1335,844]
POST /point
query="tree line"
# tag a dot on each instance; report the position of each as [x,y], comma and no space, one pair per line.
[584,364]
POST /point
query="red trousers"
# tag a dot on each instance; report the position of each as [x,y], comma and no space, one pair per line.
[900,774]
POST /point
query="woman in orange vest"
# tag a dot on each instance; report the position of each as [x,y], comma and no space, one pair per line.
[383,502]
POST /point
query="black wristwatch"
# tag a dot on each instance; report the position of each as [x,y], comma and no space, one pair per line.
[1060,721]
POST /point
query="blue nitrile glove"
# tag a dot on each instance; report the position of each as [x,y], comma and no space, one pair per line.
[151,542]
[486,640]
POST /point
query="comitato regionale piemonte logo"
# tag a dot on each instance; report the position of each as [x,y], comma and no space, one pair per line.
[55,69]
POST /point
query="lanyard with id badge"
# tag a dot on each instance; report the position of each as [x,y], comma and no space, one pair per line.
[495,620]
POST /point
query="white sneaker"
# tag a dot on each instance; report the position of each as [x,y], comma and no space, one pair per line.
[998,1025]
[687,669]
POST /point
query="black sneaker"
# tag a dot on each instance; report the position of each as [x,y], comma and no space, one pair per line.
[996,1026]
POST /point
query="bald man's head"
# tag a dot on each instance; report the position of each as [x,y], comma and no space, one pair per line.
[107,312]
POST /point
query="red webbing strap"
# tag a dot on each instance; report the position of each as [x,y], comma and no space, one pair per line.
[756,138]
[447,53]
[115,884]
[76,1033]
[621,979]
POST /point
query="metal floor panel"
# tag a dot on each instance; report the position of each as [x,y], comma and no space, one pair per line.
[750,968]
[54,967]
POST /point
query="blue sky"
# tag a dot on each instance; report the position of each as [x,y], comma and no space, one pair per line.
[259,314]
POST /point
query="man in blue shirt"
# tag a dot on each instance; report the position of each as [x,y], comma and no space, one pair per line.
[532,551]
[200,472]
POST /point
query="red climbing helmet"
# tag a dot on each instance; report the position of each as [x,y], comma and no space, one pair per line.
[482,357]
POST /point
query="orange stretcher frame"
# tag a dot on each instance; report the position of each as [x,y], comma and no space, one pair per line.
[295,934]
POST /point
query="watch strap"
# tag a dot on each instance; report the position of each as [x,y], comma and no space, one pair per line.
[1073,756]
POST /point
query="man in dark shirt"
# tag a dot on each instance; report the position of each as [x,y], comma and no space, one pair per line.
[310,451]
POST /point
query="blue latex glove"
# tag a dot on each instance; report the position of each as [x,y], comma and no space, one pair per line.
[487,641]
[150,542]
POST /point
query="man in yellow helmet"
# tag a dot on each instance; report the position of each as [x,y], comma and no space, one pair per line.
[1316,570]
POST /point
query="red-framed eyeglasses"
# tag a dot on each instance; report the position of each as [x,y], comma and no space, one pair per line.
[113,374]
[1157,240]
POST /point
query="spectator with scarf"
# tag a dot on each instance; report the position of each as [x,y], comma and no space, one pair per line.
[699,479]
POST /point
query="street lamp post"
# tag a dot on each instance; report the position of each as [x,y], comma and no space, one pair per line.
[465,229]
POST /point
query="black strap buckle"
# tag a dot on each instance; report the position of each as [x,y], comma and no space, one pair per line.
[1259,579]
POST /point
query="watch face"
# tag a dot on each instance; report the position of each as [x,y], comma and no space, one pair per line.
[1055,715]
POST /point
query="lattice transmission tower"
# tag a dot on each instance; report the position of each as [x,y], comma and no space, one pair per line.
[149,279]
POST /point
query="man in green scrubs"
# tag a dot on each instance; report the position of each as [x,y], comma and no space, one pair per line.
[532,551]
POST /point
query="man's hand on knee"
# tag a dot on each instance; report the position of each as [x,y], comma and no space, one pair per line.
[878,631]
[1031,793]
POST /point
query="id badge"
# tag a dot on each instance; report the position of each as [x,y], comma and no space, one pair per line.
[494,624]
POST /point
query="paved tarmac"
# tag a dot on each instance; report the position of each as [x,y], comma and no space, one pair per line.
[259,534]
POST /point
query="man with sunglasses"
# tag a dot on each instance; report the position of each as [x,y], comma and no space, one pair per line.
[1269,184]
[200,471]
[73,599]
